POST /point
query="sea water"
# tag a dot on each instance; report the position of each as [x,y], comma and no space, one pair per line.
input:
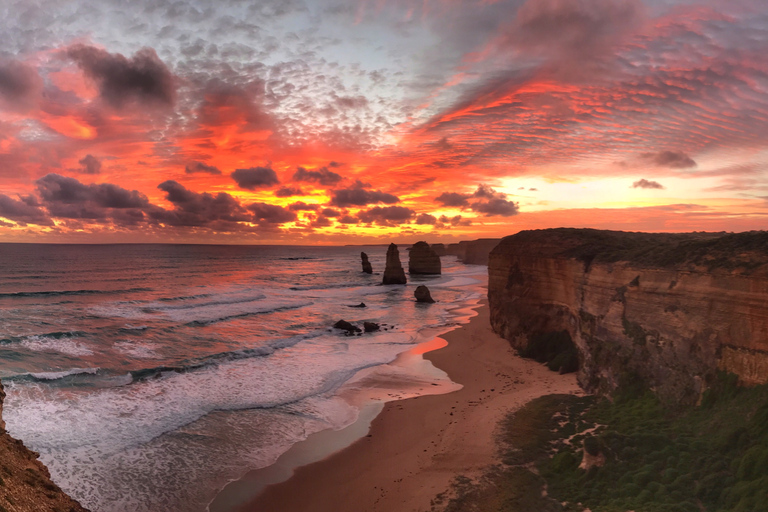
[150,376]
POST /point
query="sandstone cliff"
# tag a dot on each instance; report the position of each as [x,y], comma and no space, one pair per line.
[423,260]
[25,484]
[666,309]
[473,252]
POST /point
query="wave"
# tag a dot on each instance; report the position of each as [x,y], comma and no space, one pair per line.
[57,293]
[224,318]
[62,374]
[185,297]
[221,302]
[55,335]
[324,286]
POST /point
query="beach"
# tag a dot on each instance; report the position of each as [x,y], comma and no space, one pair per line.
[416,447]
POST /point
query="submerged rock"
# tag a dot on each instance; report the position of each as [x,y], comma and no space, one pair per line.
[370,326]
[346,326]
[361,305]
[366,264]
[422,295]
[423,260]
[393,273]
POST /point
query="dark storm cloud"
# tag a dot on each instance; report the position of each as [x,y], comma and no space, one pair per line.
[453,199]
[201,168]
[360,196]
[68,198]
[271,213]
[322,176]
[20,85]
[671,159]
[288,192]
[23,211]
[426,219]
[90,165]
[255,177]
[198,209]
[143,77]
[496,206]
[386,216]
[643,183]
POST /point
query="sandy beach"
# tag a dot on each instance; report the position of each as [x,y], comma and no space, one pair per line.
[415,447]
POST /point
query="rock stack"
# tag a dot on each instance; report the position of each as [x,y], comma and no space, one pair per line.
[422,295]
[366,264]
[393,273]
[423,260]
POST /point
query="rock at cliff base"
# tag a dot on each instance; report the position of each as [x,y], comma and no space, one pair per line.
[366,264]
[393,272]
[371,326]
[346,326]
[423,260]
[422,295]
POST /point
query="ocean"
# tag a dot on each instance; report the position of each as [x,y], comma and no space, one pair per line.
[150,376]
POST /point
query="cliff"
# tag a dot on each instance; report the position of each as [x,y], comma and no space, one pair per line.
[668,310]
[25,484]
[423,260]
[473,252]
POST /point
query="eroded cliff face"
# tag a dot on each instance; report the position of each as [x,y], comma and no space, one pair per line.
[670,310]
[25,484]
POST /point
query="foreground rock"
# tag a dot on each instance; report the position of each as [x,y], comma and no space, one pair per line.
[393,272]
[346,326]
[25,484]
[422,295]
[423,260]
[371,326]
[666,310]
[366,264]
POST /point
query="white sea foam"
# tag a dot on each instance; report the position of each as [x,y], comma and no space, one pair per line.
[63,345]
[62,374]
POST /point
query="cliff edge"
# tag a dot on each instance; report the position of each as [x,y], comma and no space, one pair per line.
[25,484]
[667,310]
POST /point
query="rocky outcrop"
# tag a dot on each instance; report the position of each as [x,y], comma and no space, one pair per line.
[423,260]
[668,310]
[393,272]
[422,295]
[366,264]
[25,484]
[346,326]
[371,326]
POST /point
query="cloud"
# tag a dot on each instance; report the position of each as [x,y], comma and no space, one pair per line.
[330,212]
[359,196]
[457,220]
[496,206]
[348,219]
[20,85]
[386,216]
[643,183]
[425,218]
[266,213]
[255,177]
[289,192]
[453,199]
[23,211]
[323,176]
[68,198]
[198,209]
[90,165]
[672,159]
[302,206]
[143,77]
[200,167]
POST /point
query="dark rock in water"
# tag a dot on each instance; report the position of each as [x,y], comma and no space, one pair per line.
[366,264]
[393,273]
[370,326]
[361,305]
[423,260]
[422,295]
[346,326]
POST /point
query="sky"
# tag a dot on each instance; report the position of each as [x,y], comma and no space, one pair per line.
[369,121]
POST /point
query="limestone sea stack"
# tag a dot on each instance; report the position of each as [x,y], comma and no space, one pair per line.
[393,272]
[366,264]
[423,260]
[422,295]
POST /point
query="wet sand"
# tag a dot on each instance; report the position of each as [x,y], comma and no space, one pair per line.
[415,447]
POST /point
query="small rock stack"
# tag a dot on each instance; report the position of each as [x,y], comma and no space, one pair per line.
[423,260]
[422,295]
[366,264]
[393,273]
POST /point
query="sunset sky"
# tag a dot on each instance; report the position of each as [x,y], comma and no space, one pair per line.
[327,121]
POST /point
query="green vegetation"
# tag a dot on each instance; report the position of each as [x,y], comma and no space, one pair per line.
[554,348]
[712,457]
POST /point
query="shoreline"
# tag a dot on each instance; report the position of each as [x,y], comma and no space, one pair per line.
[416,446]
